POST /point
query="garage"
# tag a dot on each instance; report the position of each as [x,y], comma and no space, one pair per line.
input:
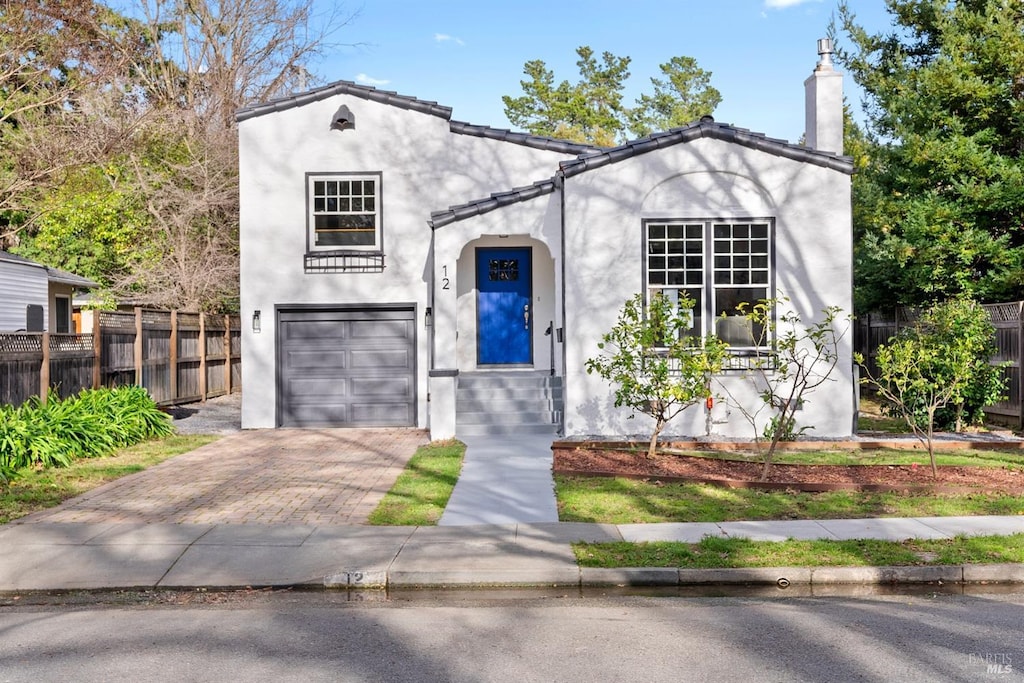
[347,367]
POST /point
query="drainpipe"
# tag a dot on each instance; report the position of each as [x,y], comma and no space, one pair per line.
[560,332]
[430,300]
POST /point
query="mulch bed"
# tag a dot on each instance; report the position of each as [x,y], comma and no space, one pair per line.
[739,474]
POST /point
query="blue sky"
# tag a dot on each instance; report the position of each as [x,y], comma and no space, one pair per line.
[466,54]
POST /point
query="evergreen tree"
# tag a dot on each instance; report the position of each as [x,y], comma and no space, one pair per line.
[939,200]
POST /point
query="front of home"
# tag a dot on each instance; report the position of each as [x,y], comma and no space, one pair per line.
[399,268]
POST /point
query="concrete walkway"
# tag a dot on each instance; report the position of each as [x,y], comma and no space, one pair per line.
[504,480]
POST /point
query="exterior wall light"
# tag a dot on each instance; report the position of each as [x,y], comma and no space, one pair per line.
[256,325]
[428,317]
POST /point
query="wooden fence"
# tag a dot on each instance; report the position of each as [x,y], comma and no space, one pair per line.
[875,329]
[178,357]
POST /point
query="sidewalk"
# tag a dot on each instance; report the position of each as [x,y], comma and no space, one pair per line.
[47,556]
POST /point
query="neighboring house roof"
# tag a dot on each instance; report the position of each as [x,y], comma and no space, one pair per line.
[593,158]
[707,128]
[52,274]
[440,219]
[405,102]
[66,278]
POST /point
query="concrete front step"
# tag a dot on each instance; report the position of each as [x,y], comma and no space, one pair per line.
[505,429]
[520,392]
[505,404]
[507,380]
[511,418]
[508,402]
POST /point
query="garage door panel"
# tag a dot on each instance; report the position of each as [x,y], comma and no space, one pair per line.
[347,367]
[315,359]
[311,391]
[379,330]
[382,413]
[317,416]
[381,359]
[311,331]
[395,388]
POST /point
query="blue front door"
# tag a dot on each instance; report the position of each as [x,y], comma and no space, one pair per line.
[504,311]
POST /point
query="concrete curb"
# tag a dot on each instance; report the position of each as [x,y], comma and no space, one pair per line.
[591,577]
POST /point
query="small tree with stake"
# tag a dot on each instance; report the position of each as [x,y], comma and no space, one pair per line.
[941,362]
[801,359]
[658,367]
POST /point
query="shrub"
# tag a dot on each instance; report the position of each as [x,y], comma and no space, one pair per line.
[939,364]
[92,423]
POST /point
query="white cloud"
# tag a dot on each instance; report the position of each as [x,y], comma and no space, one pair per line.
[366,80]
[444,38]
[783,4]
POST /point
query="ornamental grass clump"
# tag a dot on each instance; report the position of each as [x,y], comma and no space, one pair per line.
[92,423]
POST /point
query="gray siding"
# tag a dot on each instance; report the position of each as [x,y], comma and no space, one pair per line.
[21,284]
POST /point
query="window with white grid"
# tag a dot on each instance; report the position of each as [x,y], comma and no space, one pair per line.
[344,212]
[717,264]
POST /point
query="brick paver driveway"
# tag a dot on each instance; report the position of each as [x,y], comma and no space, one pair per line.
[282,476]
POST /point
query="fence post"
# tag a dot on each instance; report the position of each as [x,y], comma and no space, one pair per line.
[138,346]
[1020,369]
[227,354]
[44,369]
[202,356]
[172,360]
[97,350]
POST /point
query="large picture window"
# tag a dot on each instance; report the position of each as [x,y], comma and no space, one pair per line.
[344,212]
[718,264]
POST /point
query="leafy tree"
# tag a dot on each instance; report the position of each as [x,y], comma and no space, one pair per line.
[940,204]
[659,369]
[940,362]
[588,111]
[800,358]
[684,97]
[90,226]
[591,110]
[54,55]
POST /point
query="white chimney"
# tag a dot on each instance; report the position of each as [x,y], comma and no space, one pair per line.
[824,104]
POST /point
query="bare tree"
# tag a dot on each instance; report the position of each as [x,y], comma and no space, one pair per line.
[53,55]
[165,110]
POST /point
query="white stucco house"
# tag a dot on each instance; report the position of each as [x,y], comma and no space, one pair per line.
[35,297]
[402,268]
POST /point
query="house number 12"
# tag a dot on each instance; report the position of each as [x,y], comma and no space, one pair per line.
[445,282]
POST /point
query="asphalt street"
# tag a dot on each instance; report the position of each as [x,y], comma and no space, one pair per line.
[309,637]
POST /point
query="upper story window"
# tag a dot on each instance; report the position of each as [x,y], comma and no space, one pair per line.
[345,212]
[718,264]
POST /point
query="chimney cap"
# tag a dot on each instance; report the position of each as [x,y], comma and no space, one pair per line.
[825,52]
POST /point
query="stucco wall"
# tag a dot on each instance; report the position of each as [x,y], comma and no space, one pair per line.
[603,243]
[21,284]
[424,168]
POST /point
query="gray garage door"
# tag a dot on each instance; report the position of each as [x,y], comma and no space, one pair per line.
[347,367]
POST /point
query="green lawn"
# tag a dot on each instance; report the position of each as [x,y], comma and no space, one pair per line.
[627,501]
[713,552]
[421,492]
[39,489]
[883,456]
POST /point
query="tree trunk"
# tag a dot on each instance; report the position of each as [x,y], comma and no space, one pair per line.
[652,449]
[931,446]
